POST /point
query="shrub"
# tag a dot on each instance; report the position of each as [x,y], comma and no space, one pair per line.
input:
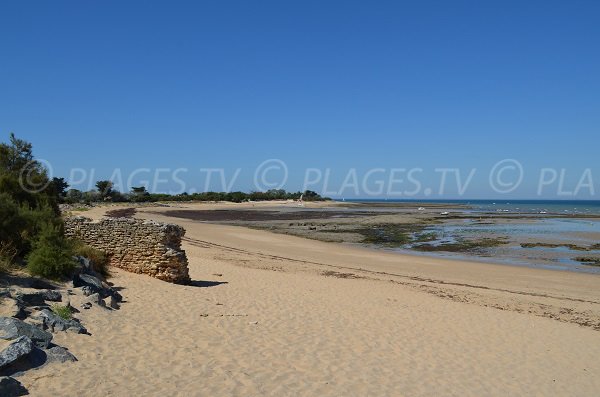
[61,311]
[8,254]
[52,255]
[98,258]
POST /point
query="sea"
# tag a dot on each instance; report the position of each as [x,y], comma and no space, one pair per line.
[563,223]
[591,207]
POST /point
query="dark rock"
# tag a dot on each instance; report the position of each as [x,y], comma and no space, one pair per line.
[93,285]
[12,328]
[86,305]
[85,267]
[37,297]
[87,291]
[113,303]
[55,323]
[59,354]
[10,387]
[16,350]
[83,279]
[95,299]
[117,296]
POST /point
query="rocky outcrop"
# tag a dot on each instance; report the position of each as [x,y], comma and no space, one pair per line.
[135,245]
[10,387]
[60,355]
[12,328]
[55,323]
[18,349]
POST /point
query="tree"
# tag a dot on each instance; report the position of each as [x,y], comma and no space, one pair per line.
[27,202]
[105,188]
[309,195]
[15,156]
[59,187]
[74,196]
[24,178]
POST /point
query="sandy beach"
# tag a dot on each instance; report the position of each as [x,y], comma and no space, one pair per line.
[276,315]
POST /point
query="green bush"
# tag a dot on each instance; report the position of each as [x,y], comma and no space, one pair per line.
[52,255]
[98,258]
[63,312]
[28,201]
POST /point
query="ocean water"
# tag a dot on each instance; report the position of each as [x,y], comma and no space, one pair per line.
[546,227]
[574,207]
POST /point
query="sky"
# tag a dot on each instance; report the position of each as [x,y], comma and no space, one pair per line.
[381,97]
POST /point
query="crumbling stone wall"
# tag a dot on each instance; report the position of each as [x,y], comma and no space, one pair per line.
[136,245]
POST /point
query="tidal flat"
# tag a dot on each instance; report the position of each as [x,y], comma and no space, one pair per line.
[548,240]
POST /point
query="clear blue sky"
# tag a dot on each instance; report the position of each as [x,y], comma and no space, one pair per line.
[322,84]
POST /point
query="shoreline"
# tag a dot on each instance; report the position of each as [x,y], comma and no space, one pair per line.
[408,231]
[273,314]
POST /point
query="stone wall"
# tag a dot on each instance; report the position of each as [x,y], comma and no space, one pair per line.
[138,246]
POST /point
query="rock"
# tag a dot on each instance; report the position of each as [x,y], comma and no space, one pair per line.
[86,305]
[33,297]
[96,300]
[59,354]
[109,302]
[87,280]
[87,291]
[113,303]
[13,352]
[55,323]
[10,387]
[11,308]
[92,285]
[12,328]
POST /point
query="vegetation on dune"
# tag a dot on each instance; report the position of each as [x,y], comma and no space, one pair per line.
[31,229]
[30,223]
[63,312]
[52,255]
[98,258]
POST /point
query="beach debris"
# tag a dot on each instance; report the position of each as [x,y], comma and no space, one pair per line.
[10,387]
[13,328]
[20,347]
[253,323]
[86,305]
[59,354]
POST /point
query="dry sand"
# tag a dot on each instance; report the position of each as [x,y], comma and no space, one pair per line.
[286,316]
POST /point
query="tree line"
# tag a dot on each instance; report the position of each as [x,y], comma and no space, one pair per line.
[105,192]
